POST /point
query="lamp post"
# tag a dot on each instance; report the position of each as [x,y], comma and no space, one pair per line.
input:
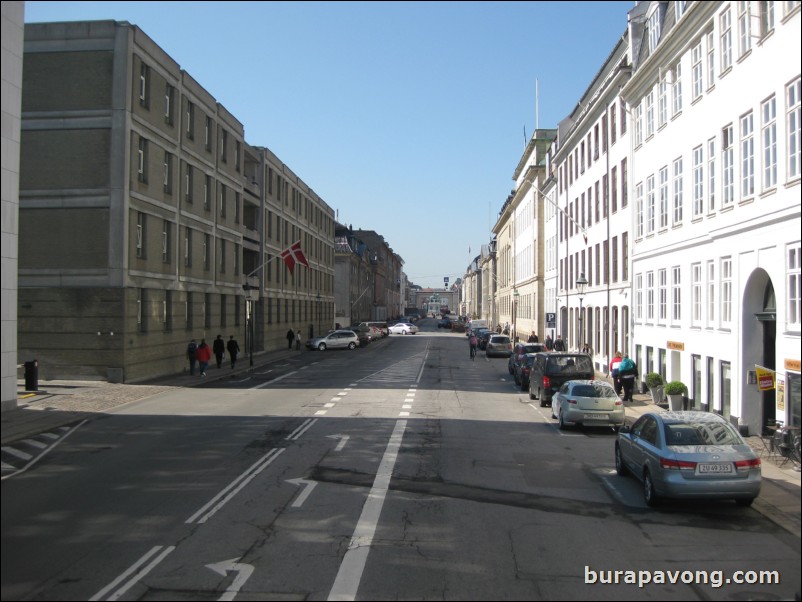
[318,315]
[581,285]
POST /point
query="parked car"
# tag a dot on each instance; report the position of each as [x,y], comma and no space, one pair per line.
[587,403]
[336,339]
[484,338]
[551,370]
[688,455]
[365,338]
[523,370]
[518,352]
[498,345]
[403,328]
[444,323]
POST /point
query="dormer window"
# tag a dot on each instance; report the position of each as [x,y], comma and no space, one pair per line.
[653,26]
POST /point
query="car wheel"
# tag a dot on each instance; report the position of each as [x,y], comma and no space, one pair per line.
[562,424]
[620,467]
[649,495]
[745,502]
[543,403]
[322,346]
[351,345]
[531,395]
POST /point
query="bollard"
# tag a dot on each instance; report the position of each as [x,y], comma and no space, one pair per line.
[32,375]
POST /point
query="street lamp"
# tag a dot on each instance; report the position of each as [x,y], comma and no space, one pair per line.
[318,315]
[581,285]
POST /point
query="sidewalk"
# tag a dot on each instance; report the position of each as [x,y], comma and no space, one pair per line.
[61,403]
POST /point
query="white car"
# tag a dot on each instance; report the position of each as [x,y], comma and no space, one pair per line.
[403,328]
[337,339]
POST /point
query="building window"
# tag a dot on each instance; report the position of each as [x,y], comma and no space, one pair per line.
[141,310]
[614,189]
[662,296]
[236,259]
[650,114]
[794,286]
[697,78]
[207,252]
[727,165]
[237,150]
[711,59]
[650,205]
[744,28]
[190,120]
[624,183]
[639,210]
[615,259]
[189,311]
[676,90]
[141,225]
[768,111]
[168,173]
[726,291]
[726,40]
[698,181]
[747,156]
[188,247]
[207,310]
[624,256]
[662,100]
[223,308]
[188,179]
[696,294]
[711,293]
[725,388]
[711,174]
[236,207]
[208,135]
[166,227]
[793,118]
[639,297]
[663,197]
[638,133]
[223,145]
[676,294]
[222,256]
[653,26]
[142,160]
[207,193]
[169,99]
[612,125]
[144,85]
[167,311]
[222,200]
[678,201]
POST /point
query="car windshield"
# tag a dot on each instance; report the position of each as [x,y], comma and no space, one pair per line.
[600,390]
[570,364]
[497,340]
[701,433]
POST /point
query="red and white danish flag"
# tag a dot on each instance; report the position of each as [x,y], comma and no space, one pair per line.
[294,255]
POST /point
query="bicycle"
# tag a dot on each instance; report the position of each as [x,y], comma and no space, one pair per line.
[473,352]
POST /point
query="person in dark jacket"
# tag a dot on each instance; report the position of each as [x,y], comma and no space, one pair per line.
[192,349]
[628,373]
[233,350]
[219,349]
[290,338]
[559,345]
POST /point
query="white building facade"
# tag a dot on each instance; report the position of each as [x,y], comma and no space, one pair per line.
[714,178]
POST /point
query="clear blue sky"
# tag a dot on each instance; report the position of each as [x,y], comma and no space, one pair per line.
[406,118]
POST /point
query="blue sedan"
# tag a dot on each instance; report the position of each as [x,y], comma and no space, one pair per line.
[691,455]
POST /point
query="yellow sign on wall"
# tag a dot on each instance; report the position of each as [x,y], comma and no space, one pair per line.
[765,378]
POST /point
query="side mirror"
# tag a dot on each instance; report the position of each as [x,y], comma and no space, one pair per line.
[625,429]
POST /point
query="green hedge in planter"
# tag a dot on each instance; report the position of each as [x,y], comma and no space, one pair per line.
[654,380]
[676,387]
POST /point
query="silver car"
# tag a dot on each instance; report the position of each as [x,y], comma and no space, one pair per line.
[498,345]
[336,339]
[688,455]
[589,403]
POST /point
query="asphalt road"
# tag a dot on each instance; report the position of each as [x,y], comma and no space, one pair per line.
[401,471]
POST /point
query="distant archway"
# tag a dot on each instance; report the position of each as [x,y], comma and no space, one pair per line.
[758,346]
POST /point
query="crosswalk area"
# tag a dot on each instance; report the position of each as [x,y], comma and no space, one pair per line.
[20,455]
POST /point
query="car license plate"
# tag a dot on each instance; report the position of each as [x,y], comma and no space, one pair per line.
[595,416]
[715,468]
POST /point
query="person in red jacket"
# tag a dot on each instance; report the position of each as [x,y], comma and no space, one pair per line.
[204,354]
[615,363]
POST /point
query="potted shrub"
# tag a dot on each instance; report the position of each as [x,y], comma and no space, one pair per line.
[654,382]
[675,391]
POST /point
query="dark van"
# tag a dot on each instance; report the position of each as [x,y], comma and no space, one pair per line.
[551,370]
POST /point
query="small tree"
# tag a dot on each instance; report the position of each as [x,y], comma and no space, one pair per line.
[654,380]
[676,387]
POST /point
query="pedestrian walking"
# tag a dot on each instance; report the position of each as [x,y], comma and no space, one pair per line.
[559,344]
[615,364]
[219,350]
[298,340]
[204,354]
[290,338]
[548,343]
[192,349]
[628,372]
[233,350]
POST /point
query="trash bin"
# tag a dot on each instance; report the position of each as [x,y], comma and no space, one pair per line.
[32,375]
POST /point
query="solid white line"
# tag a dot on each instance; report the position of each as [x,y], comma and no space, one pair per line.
[297,433]
[275,380]
[235,486]
[353,565]
[136,577]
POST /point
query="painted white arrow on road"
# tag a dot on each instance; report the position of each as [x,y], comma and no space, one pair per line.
[343,440]
[309,486]
[223,568]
